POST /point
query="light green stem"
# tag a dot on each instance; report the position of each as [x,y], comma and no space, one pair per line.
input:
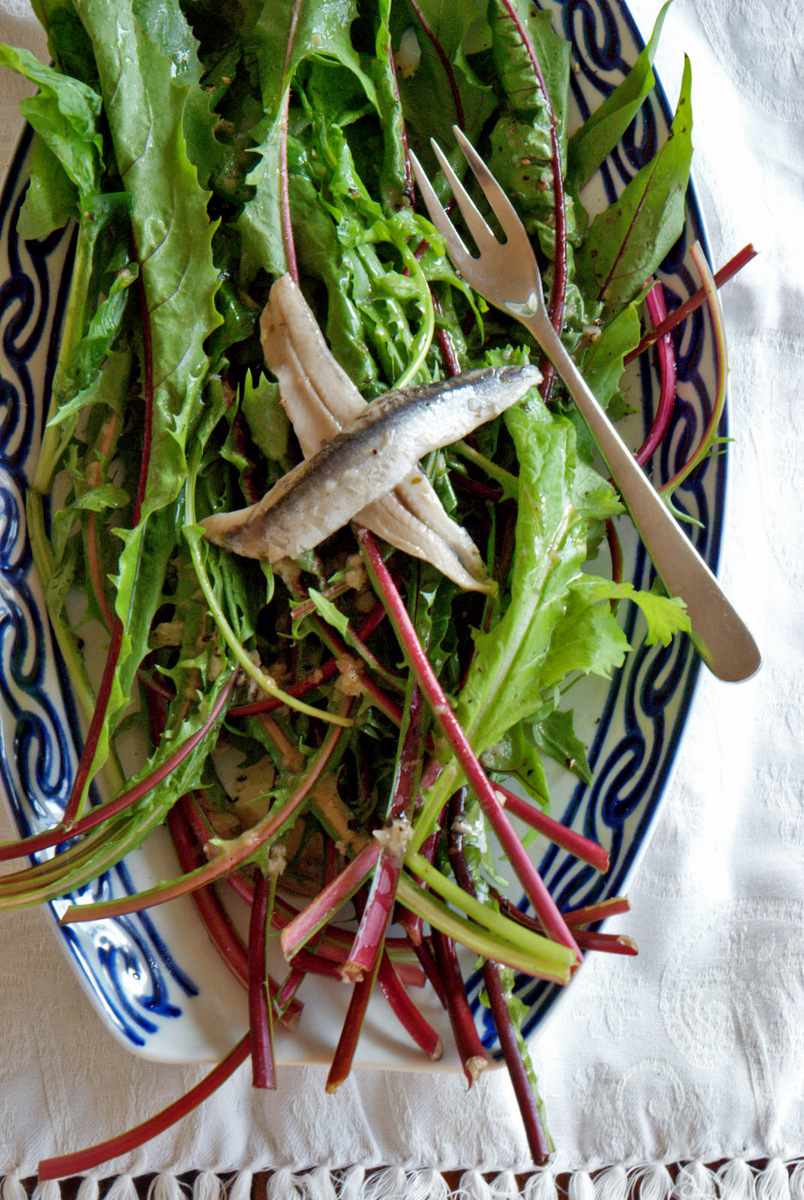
[487,945]
[80,683]
[487,915]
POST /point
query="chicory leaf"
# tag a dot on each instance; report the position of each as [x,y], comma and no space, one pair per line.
[172,233]
[600,133]
[665,615]
[65,114]
[555,736]
[627,242]
[528,52]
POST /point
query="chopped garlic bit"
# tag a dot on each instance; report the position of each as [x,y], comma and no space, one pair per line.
[277,860]
[395,836]
[409,54]
[350,681]
[355,576]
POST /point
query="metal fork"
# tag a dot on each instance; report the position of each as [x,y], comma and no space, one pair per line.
[507,274]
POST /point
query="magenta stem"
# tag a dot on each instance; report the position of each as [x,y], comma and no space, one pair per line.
[406,1012]
[695,301]
[217,921]
[329,900]
[101,813]
[467,1040]
[350,1034]
[590,914]
[576,844]
[85,1160]
[657,311]
[241,849]
[526,1097]
[259,1008]
[524,869]
[558,289]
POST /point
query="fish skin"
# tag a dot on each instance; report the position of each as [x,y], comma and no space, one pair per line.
[374,453]
[320,399]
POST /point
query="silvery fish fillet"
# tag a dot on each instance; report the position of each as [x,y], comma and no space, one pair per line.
[320,399]
[374,453]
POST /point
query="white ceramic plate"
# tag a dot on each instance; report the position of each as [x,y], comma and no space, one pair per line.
[155,979]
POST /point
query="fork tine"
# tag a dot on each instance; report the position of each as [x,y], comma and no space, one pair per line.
[501,206]
[484,238]
[438,215]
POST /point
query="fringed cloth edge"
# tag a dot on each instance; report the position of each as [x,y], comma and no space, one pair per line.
[734,1179]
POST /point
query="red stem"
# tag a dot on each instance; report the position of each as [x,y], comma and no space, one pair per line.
[259,1008]
[95,571]
[284,198]
[243,847]
[85,1160]
[558,289]
[217,921]
[406,1012]
[101,813]
[460,118]
[329,900]
[575,843]
[370,936]
[424,954]
[657,311]
[696,300]
[524,869]
[527,1100]
[467,1040]
[350,1034]
[590,914]
[615,551]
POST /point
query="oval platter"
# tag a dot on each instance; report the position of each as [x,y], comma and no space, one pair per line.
[154,978]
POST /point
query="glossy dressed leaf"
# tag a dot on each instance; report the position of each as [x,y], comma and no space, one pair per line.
[665,615]
[289,31]
[51,199]
[65,113]
[286,34]
[504,684]
[527,50]
[627,242]
[442,90]
[603,362]
[167,28]
[555,736]
[600,133]
[145,106]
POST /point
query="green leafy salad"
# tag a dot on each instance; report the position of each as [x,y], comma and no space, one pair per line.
[345,731]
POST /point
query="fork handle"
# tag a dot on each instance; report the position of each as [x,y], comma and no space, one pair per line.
[719,633]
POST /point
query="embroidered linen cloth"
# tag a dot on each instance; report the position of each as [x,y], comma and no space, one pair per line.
[695,1049]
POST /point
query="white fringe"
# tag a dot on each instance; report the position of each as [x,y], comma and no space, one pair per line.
[734,1180]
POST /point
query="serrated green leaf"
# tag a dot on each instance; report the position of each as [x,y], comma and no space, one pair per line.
[555,735]
[665,615]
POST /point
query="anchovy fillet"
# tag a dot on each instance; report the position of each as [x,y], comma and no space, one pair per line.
[375,452]
[320,399]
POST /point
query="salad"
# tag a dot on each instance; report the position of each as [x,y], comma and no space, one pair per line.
[340,724]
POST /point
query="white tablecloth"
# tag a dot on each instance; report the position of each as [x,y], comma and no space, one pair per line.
[694,1051]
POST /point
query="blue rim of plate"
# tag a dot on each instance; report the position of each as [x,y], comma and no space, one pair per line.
[133,976]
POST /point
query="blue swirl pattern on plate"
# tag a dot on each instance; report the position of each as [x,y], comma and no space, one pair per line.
[125,964]
[131,972]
